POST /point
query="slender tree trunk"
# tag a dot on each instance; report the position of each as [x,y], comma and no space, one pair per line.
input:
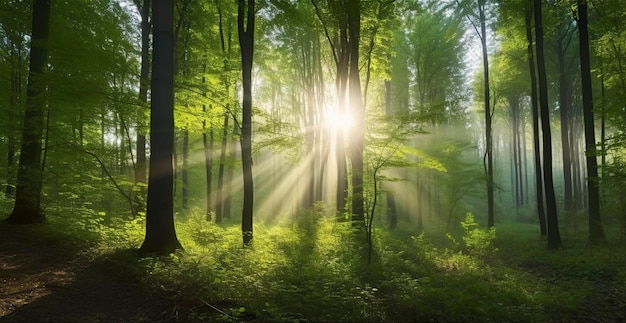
[488,134]
[596,232]
[29,175]
[246,42]
[554,236]
[160,236]
[207,141]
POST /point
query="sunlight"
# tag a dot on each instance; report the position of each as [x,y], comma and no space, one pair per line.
[339,119]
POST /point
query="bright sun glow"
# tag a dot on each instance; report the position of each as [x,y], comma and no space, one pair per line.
[339,120]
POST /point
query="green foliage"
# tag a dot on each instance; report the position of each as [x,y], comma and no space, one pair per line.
[479,242]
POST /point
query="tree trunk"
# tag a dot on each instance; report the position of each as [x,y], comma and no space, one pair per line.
[596,232]
[488,134]
[160,236]
[140,166]
[246,43]
[207,142]
[29,175]
[554,237]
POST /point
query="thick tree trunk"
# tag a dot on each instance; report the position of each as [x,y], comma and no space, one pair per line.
[246,42]
[554,236]
[596,232]
[160,236]
[29,175]
[357,111]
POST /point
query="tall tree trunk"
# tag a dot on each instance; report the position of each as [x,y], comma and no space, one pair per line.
[246,43]
[208,165]
[160,236]
[596,232]
[140,166]
[488,134]
[357,111]
[554,236]
[27,208]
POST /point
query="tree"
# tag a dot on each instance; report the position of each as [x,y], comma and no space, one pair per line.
[27,208]
[357,110]
[160,236]
[481,31]
[596,232]
[245,26]
[554,237]
[535,116]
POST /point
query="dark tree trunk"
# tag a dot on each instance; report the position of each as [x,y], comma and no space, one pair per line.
[358,115]
[27,207]
[488,134]
[246,42]
[160,236]
[554,237]
[596,232]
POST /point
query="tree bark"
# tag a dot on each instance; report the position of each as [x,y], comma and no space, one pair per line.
[160,236]
[535,115]
[27,208]
[246,43]
[596,232]
[488,132]
[554,236]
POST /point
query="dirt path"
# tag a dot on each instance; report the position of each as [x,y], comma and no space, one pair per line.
[41,283]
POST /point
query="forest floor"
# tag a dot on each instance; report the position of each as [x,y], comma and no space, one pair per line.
[57,280]
[49,283]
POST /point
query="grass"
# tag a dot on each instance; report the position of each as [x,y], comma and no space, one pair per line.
[313,268]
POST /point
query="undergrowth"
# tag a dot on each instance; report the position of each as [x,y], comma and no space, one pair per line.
[313,268]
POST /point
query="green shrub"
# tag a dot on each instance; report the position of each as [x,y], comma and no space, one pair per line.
[478,242]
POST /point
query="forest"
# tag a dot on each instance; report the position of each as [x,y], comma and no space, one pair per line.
[313,160]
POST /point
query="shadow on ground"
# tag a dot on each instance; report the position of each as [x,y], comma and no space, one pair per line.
[48,282]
